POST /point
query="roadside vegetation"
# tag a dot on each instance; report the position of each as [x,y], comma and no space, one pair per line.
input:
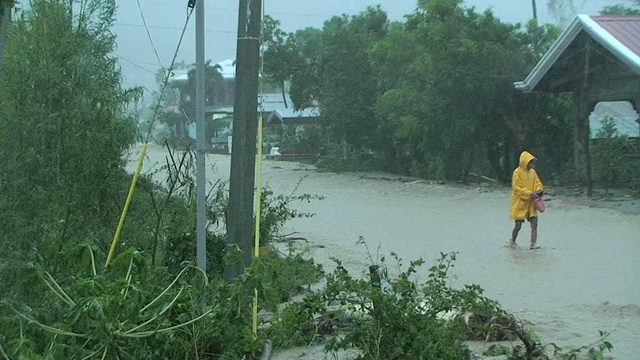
[66,130]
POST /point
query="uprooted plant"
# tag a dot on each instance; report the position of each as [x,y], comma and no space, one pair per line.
[385,317]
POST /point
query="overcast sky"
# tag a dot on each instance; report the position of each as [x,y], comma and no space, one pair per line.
[165,19]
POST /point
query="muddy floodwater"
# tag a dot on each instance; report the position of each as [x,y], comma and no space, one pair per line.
[585,278]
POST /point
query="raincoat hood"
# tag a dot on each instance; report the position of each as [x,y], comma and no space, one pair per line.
[525,159]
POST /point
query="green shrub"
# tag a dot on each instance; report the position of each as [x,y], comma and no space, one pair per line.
[128,310]
[344,158]
[276,210]
[609,153]
[289,275]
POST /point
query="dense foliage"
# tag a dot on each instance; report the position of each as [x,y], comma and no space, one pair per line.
[64,132]
[430,96]
[65,140]
[391,314]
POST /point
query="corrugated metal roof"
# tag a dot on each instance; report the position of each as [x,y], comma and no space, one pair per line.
[625,28]
[618,34]
[303,113]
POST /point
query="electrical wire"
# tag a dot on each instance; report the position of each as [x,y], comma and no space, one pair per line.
[170,28]
[136,65]
[144,22]
[136,175]
[167,76]
[300,14]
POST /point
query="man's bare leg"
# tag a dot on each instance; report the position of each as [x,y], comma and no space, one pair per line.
[534,233]
[514,233]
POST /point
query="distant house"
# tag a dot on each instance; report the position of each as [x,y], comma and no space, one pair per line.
[220,108]
[224,91]
[293,117]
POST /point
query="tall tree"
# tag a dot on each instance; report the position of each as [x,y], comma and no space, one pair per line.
[448,75]
[305,69]
[293,58]
[565,10]
[171,96]
[279,55]
[622,9]
[348,82]
[212,78]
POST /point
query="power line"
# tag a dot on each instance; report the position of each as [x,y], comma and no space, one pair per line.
[136,65]
[168,28]
[270,13]
[173,5]
[168,75]
[144,21]
[137,61]
[137,69]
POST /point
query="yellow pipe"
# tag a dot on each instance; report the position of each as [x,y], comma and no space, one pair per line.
[136,175]
[258,212]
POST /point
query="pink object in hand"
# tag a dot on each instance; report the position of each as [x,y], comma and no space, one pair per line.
[539,204]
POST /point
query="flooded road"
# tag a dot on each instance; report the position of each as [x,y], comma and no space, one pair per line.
[585,278]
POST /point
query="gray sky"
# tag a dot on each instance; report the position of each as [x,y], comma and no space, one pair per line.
[165,19]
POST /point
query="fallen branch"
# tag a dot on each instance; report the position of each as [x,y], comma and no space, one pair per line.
[484,177]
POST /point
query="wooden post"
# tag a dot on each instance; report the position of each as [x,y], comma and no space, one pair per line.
[584,112]
[636,106]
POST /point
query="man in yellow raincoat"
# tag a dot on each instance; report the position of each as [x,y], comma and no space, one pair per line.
[527,187]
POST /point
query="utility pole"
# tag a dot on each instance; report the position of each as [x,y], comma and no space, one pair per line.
[535,12]
[201,221]
[245,129]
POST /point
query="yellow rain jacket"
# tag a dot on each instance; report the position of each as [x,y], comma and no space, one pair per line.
[523,183]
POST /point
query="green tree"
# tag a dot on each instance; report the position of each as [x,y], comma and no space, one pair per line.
[348,81]
[184,96]
[305,70]
[293,58]
[212,77]
[279,55]
[565,10]
[63,127]
[609,151]
[447,75]
[171,96]
[622,9]
[431,96]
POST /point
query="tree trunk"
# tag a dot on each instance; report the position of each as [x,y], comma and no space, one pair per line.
[468,159]
[4,30]
[284,96]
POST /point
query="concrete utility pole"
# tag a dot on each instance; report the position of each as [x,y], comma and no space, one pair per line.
[243,147]
[201,221]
